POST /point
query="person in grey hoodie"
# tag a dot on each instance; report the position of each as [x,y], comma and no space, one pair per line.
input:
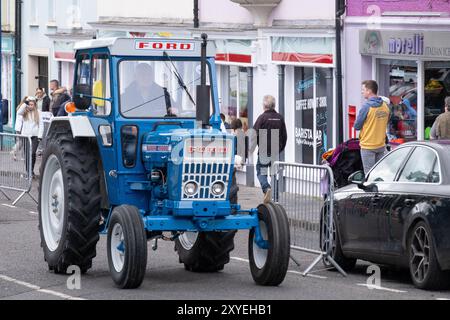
[372,121]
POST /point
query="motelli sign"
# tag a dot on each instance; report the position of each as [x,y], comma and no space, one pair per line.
[414,43]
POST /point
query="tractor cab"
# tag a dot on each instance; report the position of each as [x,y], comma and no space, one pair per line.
[147,96]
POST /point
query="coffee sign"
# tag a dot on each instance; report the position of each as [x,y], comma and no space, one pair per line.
[405,43]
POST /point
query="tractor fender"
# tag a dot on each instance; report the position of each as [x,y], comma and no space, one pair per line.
[80,126]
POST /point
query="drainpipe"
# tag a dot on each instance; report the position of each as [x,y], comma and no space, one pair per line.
[340,10]
[196,10]
[18,57]
[281,96]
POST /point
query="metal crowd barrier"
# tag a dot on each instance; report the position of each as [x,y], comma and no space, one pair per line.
[15,165]
[306,192]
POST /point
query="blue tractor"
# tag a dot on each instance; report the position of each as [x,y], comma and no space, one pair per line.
[141,157]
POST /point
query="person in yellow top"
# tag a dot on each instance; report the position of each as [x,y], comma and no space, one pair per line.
[372,121]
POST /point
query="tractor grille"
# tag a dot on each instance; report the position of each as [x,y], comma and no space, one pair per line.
[205,174]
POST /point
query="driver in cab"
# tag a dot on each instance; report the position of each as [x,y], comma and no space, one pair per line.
[144,97]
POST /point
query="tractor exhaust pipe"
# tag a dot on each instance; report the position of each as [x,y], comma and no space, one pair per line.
[203,90]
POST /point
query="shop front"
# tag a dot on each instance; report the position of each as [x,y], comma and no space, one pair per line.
[413,70]
[8,75]
[310,95]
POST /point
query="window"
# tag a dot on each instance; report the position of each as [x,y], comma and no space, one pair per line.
[101,89]
[421,167]
[84,70]
[151,89]
[34,13]
[235,97]
[386,170]
[313,94]
[398,81]
[51,12]
[437,87]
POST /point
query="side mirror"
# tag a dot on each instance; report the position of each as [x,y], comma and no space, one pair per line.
[82,96]
[357,178]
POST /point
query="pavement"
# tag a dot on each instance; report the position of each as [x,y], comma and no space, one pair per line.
[24,274]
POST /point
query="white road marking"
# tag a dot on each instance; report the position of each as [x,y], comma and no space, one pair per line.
[39,289]
[308,275]
[380,288]
[240,259]
[32,212]
[289,271]
[443,299]
[9,206]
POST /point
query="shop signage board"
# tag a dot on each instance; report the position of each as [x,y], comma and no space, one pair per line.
[411,43]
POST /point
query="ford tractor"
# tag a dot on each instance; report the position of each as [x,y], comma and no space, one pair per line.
[141,157]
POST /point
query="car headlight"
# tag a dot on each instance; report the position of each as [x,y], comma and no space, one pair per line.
[191,189]
[218,188]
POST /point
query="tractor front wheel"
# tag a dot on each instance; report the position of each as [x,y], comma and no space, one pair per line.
[127,247]
[269,264]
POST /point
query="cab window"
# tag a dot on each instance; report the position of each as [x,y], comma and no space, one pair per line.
[101,89]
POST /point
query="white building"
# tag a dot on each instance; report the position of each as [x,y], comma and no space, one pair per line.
[285,48]
[49,30]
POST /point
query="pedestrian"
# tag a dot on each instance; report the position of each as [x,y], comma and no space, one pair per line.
[242,144]
[225,123]
[43,100]
[441,126]
[59,96]
[372,121]
[29,122]
[62,108]
[268,127]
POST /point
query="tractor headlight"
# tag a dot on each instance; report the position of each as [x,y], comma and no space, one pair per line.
[218,188]
[191,189]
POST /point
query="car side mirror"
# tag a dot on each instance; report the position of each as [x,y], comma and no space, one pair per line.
[357,178]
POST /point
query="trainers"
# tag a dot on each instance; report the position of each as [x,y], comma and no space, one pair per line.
[268,196]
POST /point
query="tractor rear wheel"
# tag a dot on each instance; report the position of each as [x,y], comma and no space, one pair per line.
[69,201]
[127,247]
[269,265]
[205,251]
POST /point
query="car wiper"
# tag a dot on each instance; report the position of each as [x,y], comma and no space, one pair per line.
[180,79]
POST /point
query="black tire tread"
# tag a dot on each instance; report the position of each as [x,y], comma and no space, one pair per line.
[83,199]
[210,253]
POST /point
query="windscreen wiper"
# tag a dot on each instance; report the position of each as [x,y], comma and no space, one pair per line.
[180,79]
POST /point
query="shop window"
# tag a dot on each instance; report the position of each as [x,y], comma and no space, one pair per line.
[235,100]
[437,88]
[313,113]
[398,81]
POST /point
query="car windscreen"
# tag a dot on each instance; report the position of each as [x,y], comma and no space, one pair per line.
[158,89]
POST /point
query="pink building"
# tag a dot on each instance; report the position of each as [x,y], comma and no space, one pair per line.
[405,46]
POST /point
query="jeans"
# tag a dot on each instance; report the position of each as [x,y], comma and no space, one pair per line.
[262,171]
[371,157]
[34,146]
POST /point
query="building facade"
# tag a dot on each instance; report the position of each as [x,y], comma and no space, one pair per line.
[49,30]
[7,55]
[404,45]
[278,47]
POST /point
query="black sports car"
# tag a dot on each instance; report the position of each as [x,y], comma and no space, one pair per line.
[399,214]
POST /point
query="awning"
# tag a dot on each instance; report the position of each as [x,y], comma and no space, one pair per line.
[234,52]
[301,50]
[64,51]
